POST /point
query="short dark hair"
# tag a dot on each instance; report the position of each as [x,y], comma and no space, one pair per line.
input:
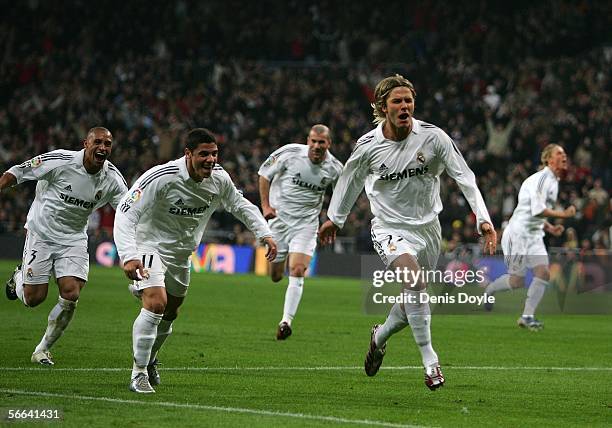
[197,136]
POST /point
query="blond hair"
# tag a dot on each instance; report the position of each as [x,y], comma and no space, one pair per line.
[547,153]
[382,90]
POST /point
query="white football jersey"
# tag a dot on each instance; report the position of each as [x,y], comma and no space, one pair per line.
[402,178]
[538,192]
[66,194]
[298,185]
[166,211]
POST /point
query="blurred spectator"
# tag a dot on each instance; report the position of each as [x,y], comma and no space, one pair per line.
[259,79]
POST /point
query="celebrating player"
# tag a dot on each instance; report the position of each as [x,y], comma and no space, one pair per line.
[400,162]
[71,185]
[292,183]
[523,239]
[159,223]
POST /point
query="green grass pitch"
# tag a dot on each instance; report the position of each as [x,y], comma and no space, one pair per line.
[223,367]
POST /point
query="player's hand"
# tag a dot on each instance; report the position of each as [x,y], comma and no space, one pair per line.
[490,238]
[570,211]
[134,269]
[268,212]
[556,230]
[327,233]
[272,249]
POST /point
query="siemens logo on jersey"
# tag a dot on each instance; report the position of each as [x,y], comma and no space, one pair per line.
[408,172]
[76,201]
[186,211]
[298,182]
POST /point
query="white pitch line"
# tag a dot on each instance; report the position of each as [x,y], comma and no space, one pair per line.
[315,368]
[216,409]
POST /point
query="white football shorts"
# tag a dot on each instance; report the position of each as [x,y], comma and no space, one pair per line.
[423,242]
[523,252]
[41,259]
[175,279]
[302,239]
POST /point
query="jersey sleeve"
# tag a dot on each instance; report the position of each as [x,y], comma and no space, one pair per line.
[138,199]
[38,167]
[235,203]
[349,185]
[338,171]
[119,187]
[458,170]
[276,161]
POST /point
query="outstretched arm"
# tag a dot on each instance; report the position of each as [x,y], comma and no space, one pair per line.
[248,214]
[7,180]
[458,170]
[347,189]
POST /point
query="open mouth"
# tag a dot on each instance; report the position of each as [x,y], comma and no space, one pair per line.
[100,156]
[403,116]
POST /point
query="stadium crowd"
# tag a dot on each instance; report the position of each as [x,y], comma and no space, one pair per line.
[502,80]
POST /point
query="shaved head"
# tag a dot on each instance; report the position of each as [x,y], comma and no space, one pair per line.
[321,129]
[96,130]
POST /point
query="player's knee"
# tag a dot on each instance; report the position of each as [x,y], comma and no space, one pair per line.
[156,304]
[276,276]
[33,300]
[71,294]
[70,288]
[298,270]
[170,314]
[516,281]
[543,274]
[35,295]
[157,307]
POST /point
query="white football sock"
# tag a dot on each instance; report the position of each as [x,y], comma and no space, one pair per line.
[164,329]
[144,333]
[58,320]
[500,284]
[292,298]
[534,295]
[18,278]
[396,321]
[419,318]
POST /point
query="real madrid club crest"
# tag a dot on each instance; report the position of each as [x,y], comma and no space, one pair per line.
[270,161]
[421,157]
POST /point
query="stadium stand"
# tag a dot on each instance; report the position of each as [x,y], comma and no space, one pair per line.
[502,85]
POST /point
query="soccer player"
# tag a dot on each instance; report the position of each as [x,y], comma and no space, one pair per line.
[71,185]
[292,184]
[159,223]
[523,239]
[400,162]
